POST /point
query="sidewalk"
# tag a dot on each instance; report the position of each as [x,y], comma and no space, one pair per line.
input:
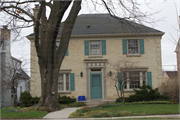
[64,114]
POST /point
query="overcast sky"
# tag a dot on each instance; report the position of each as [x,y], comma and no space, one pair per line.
[169,11]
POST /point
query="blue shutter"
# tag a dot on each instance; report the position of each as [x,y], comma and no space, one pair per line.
[86,47]
[141,46]
[72,82]
[66,52]
[124,42]
[149,79]
[120,85]
[103,42]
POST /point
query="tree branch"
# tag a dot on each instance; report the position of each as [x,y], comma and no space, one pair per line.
[67,29]
[18,8]
[17,16]
[36,29]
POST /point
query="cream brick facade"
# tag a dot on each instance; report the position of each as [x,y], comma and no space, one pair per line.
[76,56]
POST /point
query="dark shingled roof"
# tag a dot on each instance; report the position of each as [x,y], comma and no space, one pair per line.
[24,74]
[87,24]
[172,74]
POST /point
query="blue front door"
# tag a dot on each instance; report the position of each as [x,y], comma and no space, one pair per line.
[96,85]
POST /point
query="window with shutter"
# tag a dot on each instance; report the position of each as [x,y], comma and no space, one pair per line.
[133,47]
[134,79]
[63,82]
[95,48]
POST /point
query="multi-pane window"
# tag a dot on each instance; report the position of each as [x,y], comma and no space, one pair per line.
[133,47]
[134,80]
[67,82]
[60,83]
[95,48]
[63,82]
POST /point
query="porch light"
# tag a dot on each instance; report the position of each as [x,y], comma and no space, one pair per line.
[81,74]
[110,73]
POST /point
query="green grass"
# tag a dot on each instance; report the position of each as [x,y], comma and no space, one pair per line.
[18,113]
[146,109]
[30,112]
[126,110]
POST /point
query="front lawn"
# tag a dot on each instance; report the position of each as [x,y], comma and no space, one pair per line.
[22,113]
[118,110]
[31,112]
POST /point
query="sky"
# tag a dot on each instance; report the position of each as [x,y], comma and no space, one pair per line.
[167,17]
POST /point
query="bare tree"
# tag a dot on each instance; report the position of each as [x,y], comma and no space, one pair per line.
[47,26]
[11,79]
[170,88]
[119,76]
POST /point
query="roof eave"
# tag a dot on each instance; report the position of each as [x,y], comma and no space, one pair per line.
[118,35]
[109,35]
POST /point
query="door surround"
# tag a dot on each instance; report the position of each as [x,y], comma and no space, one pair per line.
[93,64]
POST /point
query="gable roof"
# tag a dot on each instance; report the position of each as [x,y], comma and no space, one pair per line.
[172,74]
[90,24]
[16,59]
[23,73]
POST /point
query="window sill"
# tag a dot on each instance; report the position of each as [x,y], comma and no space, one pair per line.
[133,55]
[95,56]
[130,90]
[64,92]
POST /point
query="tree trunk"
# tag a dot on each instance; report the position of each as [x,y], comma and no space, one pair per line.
[50,58]
[15,99]
[14,96]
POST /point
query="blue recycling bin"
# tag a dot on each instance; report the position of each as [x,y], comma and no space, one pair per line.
[81,98]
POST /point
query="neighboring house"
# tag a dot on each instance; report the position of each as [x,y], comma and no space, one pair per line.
[98,39]
[178,53]
[5,60]
[24,79]
[8,65]
[169,75]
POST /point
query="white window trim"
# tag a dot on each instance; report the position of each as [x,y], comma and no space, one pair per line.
[137,54]
[91,56]
[140,70]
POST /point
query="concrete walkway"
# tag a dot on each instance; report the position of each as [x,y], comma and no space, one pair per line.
[64,114]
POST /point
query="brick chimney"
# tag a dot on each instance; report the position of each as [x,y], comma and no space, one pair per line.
[6,36]
[35,10]
[5,33]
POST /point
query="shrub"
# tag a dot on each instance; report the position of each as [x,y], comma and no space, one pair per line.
[146,93]
[35,100]
[170,89]
[119,99]
[65,99]
[27,100]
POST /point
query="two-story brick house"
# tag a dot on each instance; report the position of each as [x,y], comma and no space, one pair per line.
[98,39]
